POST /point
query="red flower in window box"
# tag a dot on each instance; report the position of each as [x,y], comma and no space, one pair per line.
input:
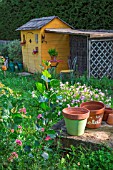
[35,51]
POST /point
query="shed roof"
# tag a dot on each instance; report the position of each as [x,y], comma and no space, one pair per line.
[89,33]
[39,23]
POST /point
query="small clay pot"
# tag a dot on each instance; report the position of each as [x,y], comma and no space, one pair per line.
[96,113]
[53,58]
[106,113]
[110,119]
[75,120]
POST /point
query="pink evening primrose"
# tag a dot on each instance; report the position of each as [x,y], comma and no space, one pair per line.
[20,127]
[19,142]
[23,110]
[42,129]
[14,154]
[48,138]
[12,130]
[39,116]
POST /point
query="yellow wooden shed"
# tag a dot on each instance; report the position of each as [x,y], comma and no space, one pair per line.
[36,42]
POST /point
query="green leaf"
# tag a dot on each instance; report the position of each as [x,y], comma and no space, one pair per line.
[40,87]
[47,63]
[17,120]
[46,74]
[36,143]
[17,115]
[62,160]
[50,131]
[53,96]
[44,106]
[55,83]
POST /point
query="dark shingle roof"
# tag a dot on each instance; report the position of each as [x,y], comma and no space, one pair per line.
[38,23]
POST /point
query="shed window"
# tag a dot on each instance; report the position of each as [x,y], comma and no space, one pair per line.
[36,38]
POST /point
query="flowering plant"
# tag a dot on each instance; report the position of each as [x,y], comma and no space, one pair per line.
[76,94]
[35,51]
[26,121]
[22,135]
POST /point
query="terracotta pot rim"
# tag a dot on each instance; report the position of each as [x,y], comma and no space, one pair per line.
[76,113]
[109,108]
[92,103]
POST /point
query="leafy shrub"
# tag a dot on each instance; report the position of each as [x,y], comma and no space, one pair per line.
[4,50]
[13,50]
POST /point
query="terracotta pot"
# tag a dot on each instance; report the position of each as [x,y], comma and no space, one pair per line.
[4,68]
[75,120]
[96,113]
[106,113]
[110,119]
[53,58]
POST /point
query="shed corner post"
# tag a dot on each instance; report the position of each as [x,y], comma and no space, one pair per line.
[88,56]
[112,65]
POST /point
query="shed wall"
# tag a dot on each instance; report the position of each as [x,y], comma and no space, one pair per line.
[58,41]
[61,43]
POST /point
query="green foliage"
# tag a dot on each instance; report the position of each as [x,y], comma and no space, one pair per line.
[80,14]
[15,51]
[53,52]
[4,50]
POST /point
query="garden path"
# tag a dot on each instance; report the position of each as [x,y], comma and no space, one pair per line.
[24,74]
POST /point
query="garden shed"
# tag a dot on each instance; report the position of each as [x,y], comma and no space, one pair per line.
[93,48]
[36,42]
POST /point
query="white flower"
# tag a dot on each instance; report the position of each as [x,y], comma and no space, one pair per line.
[33,94]
[68,105]
[59,113]
[45,155]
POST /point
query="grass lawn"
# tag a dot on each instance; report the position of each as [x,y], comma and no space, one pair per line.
[27,112]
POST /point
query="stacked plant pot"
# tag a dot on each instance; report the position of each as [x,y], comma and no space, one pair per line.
[96,113]
[108,115]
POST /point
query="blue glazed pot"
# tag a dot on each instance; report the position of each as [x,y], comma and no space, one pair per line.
[20,66]
[11,67]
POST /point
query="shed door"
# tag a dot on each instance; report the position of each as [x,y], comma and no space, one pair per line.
[101,58]
[30,56]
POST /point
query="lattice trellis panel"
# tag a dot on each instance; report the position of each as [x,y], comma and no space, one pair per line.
[101,58]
